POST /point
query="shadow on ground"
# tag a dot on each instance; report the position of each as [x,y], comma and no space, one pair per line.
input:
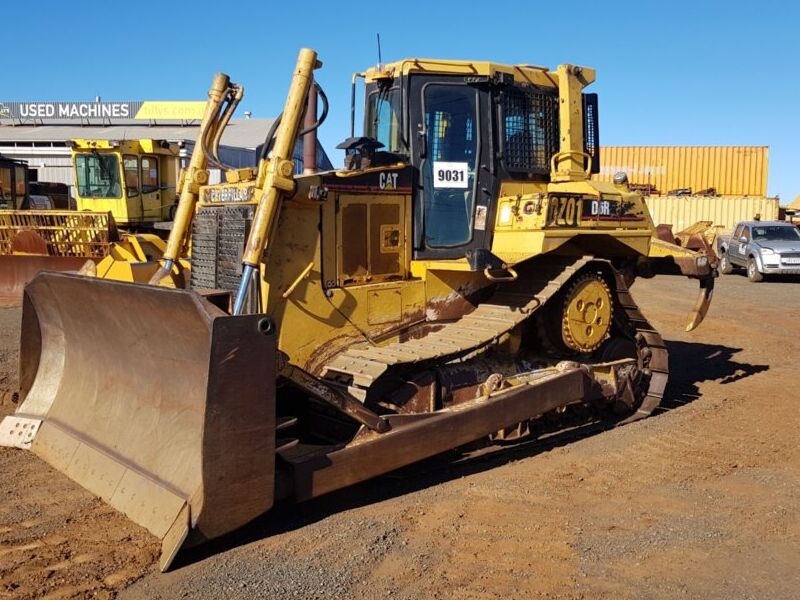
[693,363]
[690,364]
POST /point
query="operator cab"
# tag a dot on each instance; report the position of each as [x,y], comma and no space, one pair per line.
[14,176]
[461,133]
[134,180]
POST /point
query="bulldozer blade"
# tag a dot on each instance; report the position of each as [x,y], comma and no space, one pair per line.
[16,270]
[152,399]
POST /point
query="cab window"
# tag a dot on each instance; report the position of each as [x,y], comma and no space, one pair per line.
[746,234]
[383,119]
[530,129]
[451,140]
[738,233]
[149,174]
[131,167]
[98,175]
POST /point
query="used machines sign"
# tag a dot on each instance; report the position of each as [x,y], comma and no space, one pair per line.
[147,110]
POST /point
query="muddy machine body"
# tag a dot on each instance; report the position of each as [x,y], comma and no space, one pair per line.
[461,277]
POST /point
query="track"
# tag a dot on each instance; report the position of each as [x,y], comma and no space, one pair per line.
[509,307]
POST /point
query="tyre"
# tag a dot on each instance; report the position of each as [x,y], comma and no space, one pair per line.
[725,266]
[753,274]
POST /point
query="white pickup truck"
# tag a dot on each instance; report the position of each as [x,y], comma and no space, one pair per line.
[761,247]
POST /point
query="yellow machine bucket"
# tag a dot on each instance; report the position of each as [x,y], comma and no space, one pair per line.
[150,400]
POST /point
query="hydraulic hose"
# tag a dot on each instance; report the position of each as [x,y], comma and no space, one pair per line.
[194,176]
[213,135]
[270,137]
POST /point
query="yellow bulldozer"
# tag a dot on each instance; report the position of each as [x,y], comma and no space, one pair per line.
[461,279]
[134,180]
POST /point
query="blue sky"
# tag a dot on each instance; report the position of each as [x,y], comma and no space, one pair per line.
[669,73]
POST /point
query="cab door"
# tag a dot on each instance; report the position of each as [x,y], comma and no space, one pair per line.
[452,148]
[152,205]
[133,190]
[735,251]
[99,179]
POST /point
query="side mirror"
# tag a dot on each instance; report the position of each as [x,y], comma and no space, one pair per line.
[743,239]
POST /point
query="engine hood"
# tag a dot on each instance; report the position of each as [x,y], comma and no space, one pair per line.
[780,246]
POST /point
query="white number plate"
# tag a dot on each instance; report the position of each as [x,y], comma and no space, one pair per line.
[450,174]
[792,261]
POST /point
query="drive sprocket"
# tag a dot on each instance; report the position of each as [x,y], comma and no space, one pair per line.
[587,313]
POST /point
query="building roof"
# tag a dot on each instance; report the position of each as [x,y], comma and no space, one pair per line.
[240,133]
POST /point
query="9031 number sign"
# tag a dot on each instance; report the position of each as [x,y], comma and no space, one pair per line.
[450,174]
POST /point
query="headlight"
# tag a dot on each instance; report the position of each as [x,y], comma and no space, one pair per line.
[770,257]
[505,215]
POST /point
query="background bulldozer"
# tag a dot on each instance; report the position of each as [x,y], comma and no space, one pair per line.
[461,278]
[134,180]
[36,236]
[125,192]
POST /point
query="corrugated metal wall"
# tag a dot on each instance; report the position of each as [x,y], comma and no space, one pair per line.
[58,169]
[682,211]
[732,170]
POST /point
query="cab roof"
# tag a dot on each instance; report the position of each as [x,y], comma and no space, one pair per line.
[769,223]
[531,74]
[139,146]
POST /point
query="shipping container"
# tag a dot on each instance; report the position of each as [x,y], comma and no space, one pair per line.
[683,211]
[730,170]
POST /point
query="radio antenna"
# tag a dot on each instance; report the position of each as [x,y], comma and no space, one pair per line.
[380,58]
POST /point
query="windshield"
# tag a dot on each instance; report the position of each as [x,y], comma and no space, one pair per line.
[776,233]
[383,119]
[98,176]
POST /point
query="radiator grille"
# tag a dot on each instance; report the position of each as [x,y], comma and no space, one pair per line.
[218,239]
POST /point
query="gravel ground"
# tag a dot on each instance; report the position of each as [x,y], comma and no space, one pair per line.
[9,348]
[702,500]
